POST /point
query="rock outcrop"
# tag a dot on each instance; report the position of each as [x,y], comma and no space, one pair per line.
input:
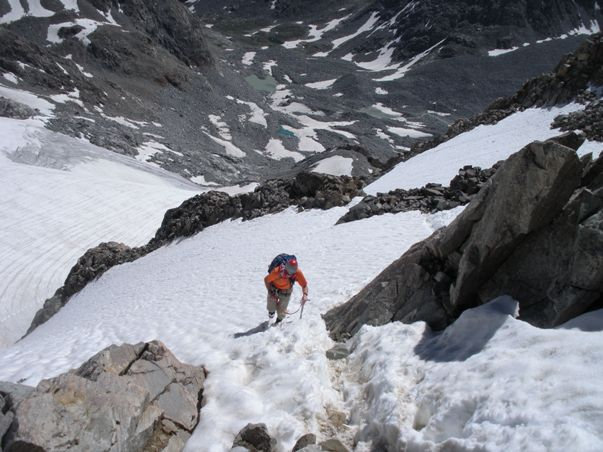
[533,232]
[254,438]
[589,121]
[129,397]
[306,190]
[428,199]
[15,110]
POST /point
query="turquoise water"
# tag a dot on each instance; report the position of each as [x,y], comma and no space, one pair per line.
[285,133]
[266,85]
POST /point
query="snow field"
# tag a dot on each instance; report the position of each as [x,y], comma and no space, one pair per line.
[488,382]
[483,146]
[61,196]
[198,294]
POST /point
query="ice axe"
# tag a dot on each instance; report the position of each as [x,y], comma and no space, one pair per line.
[302,308]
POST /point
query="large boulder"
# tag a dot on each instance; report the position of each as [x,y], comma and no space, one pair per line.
[533,232]
[254,438]
[129,397]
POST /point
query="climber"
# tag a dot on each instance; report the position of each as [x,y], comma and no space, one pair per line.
[283,272]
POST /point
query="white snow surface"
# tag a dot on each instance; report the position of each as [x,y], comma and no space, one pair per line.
[25,97]
[497,52]
[324,84]
[483,146]
[248,58]
[62,196]
[34,8]
[489,382]
[336,166]
[277,150]
[187,296]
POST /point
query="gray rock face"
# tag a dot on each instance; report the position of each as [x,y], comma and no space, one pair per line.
[333,445]
[129,397]
[533,232]
[255,438]
[339,351]
[304,441]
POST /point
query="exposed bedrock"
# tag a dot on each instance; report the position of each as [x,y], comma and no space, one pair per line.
[534,231]
[129,397]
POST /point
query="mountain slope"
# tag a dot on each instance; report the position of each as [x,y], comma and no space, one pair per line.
[255,87]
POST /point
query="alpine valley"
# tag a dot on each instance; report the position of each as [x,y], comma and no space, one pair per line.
[433,165]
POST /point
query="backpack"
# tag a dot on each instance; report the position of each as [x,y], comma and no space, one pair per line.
[279,260]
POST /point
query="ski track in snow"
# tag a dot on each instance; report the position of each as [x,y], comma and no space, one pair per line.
[62,196]
[281,376]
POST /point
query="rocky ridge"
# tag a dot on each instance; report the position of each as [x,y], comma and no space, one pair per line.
[589,121]
[429,199]
[129,397]
[306,190]
[533,232]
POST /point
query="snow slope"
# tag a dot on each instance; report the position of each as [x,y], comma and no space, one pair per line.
[488,382]
[483,146]
[200,304]
[61,196]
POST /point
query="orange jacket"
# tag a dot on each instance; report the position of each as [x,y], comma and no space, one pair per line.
[282,282]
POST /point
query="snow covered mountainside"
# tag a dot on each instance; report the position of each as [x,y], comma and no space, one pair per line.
[231,92]
[62,196]
[455,265]
[402,386]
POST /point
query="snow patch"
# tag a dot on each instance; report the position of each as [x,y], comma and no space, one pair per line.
[248,58]
[367,26]
[316,33]
[276,150]
[31,100]
[325,84]
[403,69]
[406,132]
[335,166]
[497,52]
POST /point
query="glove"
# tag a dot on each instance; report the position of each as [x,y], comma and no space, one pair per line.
[304,298]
